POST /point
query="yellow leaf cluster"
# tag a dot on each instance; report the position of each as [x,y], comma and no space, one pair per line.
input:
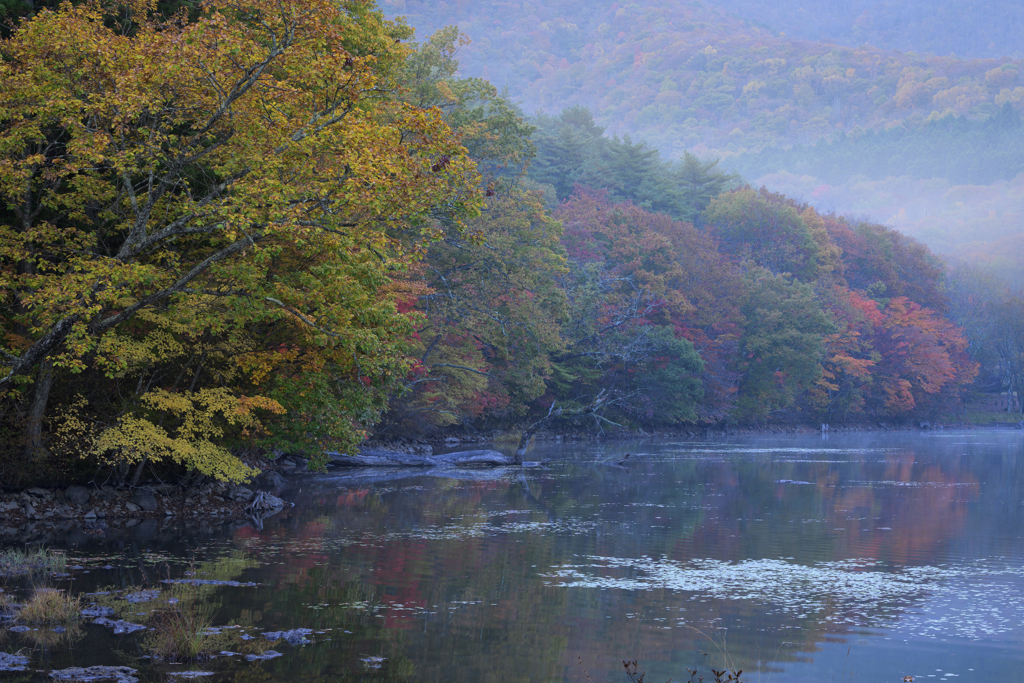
[203,420]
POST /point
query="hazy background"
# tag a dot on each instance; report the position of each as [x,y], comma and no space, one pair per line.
[907,113]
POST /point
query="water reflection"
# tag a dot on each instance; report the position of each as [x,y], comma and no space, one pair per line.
[886,555]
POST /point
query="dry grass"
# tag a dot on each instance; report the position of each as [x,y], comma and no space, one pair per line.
[14,561]
[50,606]
[6,603]
[179,635]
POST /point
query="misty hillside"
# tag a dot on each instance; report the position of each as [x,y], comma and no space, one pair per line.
[692,76]
[927,144]
[967,28]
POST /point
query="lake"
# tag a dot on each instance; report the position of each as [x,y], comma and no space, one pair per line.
[854,557]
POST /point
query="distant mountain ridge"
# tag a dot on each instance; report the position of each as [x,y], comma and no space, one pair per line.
[971,29]
[693,76]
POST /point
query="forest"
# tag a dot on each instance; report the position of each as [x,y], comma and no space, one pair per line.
[264,225]
[813,101]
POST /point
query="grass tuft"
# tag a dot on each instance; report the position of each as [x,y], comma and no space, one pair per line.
[7,603]
[50,606]
[179,635]
[14,561]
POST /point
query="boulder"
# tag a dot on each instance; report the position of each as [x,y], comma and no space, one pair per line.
[77,495]
[145,499]
[269,479]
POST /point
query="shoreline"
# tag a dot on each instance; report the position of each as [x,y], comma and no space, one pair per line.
[40,512]
[46,512]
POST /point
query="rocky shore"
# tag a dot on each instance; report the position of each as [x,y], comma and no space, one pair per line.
[97,509]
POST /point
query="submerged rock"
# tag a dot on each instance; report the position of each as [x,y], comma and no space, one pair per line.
[121,674]
[190,674]
[211,582]
[296,636]
[269,654]
[120,626]
[142,596]
[374,662]
[96,611]
[10,662]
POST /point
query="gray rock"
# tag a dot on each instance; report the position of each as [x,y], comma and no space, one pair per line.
[142,596]
[77,495]
[189,674]
[269,654]
[241,493]
[121,674]
[9,662]
[209,582]
[29,510]
[145,499]
[91,514]
[132,507]
[120,626]
[97,611]
[296,636]
[271,480]
[40,493]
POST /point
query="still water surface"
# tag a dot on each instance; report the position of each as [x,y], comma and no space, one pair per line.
[856,557]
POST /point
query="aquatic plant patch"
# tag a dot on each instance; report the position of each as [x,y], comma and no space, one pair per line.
[982,599]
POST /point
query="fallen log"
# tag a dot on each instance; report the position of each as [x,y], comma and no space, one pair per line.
[379,457]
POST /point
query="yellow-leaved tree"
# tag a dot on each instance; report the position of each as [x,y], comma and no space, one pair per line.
[201,220]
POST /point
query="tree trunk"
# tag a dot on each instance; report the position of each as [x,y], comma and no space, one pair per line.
[34,430]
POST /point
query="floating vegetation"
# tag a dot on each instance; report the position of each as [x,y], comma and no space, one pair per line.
[861,593]
[482,529]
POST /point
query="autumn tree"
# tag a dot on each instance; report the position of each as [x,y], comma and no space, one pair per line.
[203,219]
[783,343]
[758,226]
[490,308]
[626,289]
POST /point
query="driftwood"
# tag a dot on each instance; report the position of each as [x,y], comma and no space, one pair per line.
[367,476]
[378,457]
